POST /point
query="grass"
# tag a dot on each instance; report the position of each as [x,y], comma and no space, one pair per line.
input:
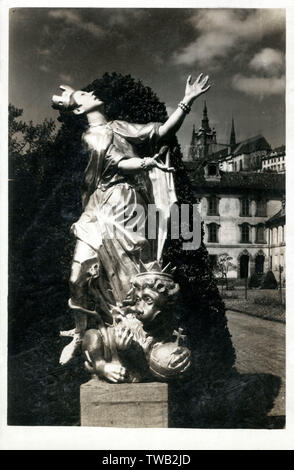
[263,303]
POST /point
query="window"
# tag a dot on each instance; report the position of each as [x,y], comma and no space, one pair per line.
[245,233]
[245,208]
[212,169]
[213,233]
[212,206]
[260,234]
[241,165]
[259,264]
[212,260]
[260,208]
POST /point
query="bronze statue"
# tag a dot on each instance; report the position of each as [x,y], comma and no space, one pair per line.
[121,181]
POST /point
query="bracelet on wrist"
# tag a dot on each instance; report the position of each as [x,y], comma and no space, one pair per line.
[184,107]
[147,163]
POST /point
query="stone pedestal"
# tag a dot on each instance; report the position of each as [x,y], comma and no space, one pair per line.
[140,405]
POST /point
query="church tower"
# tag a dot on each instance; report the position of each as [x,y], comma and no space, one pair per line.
[233,136]
[203,141]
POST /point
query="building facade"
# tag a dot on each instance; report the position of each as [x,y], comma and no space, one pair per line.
[277,243]
[248,155]
[275,160]
[235,208]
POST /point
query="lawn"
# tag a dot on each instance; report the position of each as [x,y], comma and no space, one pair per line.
[263,303]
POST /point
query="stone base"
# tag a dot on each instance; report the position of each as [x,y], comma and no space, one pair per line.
[139,405]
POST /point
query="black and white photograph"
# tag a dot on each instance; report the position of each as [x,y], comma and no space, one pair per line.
[146,206]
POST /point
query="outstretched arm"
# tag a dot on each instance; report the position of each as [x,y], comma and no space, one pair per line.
[135,165]
[193,90]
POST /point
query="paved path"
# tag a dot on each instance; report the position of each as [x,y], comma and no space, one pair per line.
[260,348]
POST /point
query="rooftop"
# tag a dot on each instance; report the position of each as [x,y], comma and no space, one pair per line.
[253,144]
[236,181]
[278,218]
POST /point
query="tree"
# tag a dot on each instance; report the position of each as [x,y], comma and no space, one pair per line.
[26,142]
[223,266]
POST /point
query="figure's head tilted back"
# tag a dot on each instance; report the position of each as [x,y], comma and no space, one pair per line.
[65,100]
[77,101]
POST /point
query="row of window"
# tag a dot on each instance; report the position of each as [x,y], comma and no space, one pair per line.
[213,207]
[245,232]
[276,159]
[279,167]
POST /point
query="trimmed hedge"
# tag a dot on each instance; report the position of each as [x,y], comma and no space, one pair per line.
[269,281]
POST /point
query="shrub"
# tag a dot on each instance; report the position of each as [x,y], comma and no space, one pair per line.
[254,281]
[268,281]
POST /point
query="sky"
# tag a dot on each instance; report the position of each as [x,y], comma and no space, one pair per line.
[242,50]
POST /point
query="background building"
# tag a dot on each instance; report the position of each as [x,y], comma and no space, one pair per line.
[252,154]
[275,160]
[203,142]
[276,242]
[237,210]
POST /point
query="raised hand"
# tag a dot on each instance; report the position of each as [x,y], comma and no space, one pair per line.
[200,86]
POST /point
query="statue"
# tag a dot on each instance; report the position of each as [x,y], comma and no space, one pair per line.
[140,345]
[120,182]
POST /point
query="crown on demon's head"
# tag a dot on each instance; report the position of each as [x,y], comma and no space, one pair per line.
[155,269]
[64,101]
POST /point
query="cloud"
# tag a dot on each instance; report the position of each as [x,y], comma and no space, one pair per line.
[268,60]
[219,31]
[44,52]
[44,68]
[67,78]
[259,86]
[73,18]
[125,17]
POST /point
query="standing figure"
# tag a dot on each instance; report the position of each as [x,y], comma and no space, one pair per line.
[120,181]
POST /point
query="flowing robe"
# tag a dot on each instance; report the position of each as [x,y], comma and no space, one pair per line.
[115,206]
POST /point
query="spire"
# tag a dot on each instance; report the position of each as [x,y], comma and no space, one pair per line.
[192,149]
[233,135]
[205,121]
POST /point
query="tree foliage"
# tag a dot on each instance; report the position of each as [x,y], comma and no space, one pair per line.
[223,266]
